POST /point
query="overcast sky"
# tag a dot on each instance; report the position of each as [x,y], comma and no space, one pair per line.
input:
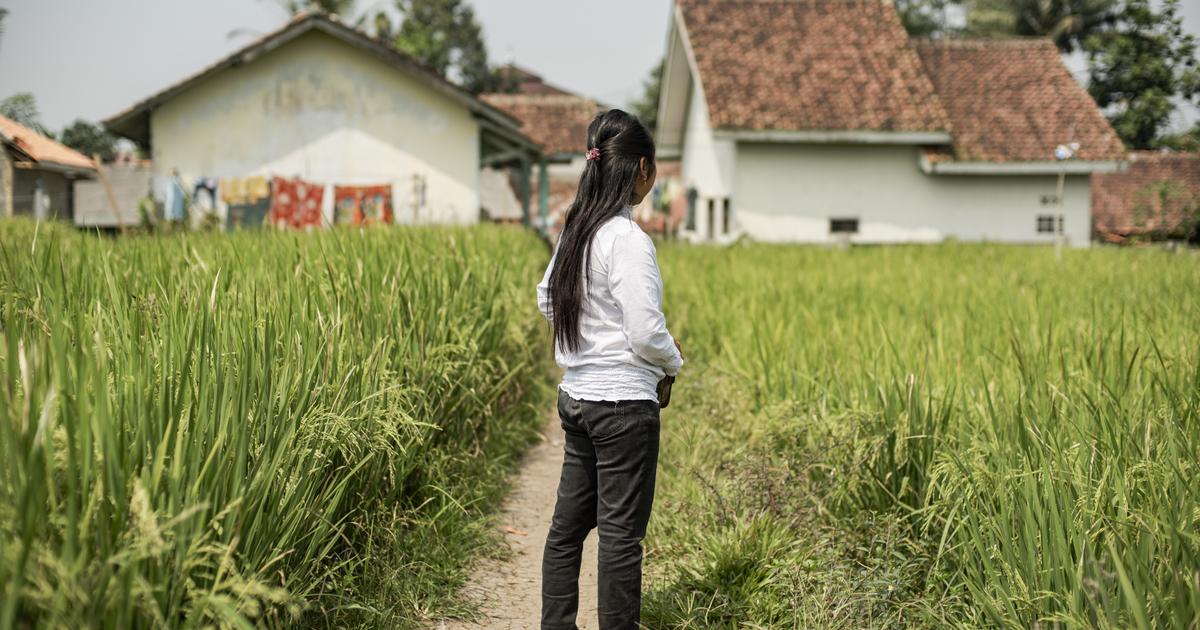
[92,58]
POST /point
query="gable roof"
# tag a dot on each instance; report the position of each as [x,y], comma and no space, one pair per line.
[134,122]
[553,117]
[809,65]
[1013,100]
[43,151]
[1155,194]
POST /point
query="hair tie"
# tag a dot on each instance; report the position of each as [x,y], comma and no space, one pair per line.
[593,154]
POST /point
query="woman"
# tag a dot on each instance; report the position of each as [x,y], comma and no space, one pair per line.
[603,294]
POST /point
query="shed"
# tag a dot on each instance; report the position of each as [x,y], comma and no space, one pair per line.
[36,173]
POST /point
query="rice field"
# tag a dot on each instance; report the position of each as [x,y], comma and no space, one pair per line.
[284,430]
[273,430]
[950,436]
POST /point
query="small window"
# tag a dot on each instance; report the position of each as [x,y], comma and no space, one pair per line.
[1050,223]
[843,226]
[712,218]
[725,217]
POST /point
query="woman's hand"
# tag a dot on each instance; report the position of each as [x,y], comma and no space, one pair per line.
[679,348]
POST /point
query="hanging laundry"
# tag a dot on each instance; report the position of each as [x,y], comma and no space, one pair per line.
[174,199]
[247,216]
[244,190]
[362,205]
[295,203]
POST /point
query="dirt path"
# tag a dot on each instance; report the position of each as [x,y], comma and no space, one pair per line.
[509,592]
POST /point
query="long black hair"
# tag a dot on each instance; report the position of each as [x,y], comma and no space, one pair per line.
[606,187]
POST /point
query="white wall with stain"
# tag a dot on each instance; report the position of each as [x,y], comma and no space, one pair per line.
[320,109]
[789,192]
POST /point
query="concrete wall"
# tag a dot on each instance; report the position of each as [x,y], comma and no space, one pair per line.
[788,192]
[130,184]
[709,164]
[320,109]
[55,189]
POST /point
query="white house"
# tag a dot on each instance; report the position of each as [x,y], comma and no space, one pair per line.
[820,120]
[321,101]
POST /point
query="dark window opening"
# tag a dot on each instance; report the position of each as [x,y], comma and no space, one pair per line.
[725,216]
[1049,224]
[712,211]
[843,226]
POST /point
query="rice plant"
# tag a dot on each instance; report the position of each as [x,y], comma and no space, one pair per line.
[209,430]
[1025,431]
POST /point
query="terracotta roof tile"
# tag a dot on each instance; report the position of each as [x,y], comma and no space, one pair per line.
[809,65]
[1157,192]
[552,117]
[1013,100]
[41,148]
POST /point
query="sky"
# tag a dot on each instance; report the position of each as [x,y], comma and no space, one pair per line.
[92,58]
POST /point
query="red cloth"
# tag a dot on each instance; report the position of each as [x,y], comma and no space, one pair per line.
[295,203]
[362,205]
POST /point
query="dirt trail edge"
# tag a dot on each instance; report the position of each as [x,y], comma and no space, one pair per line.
[509,592]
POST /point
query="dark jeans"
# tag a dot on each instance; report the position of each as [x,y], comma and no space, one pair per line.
[607,482]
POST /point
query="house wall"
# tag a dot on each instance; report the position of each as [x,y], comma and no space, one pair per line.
[709,164]
[55,188]
[130,184]
[320,109]
[788,192]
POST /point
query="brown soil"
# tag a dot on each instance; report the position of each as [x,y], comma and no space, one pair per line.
[509,591]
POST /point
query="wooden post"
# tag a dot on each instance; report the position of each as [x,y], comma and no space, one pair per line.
[112,198]
[525,192]
[544,196]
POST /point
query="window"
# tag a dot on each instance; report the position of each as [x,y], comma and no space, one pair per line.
[1049,224]
[725,217]
[843,226]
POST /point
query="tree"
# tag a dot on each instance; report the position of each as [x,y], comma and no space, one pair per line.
[646,107]
[342,8]
[445,36]
[89,139]
[1067,22]
[1140,68]
[22,108]
[926,18]
[3,14]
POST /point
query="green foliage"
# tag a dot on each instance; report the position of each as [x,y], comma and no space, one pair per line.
[1140,67]
[646,107]
[263,429]
[926,18]
[950,436]
[89,139]
[343,8]
[22,108]
[1067,22]
[445,36]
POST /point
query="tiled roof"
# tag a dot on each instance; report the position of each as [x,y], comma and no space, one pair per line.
[1013,100]
[843,65]
[527,82]
[552,117]
[1154,195]
[42,149]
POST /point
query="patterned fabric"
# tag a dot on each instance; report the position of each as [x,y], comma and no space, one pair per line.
[295,203]
[362,205]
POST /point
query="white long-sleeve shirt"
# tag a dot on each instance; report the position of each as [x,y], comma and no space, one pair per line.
[624,346]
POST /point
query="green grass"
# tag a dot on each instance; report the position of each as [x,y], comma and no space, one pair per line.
[928,437]
[257,429]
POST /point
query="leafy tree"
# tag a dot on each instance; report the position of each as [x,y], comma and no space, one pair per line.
[1067,22]
[1141,67]
[646,107]
[926,18]
[22,108]
[342,8]
[3,14]
[89,139]
[445,36]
